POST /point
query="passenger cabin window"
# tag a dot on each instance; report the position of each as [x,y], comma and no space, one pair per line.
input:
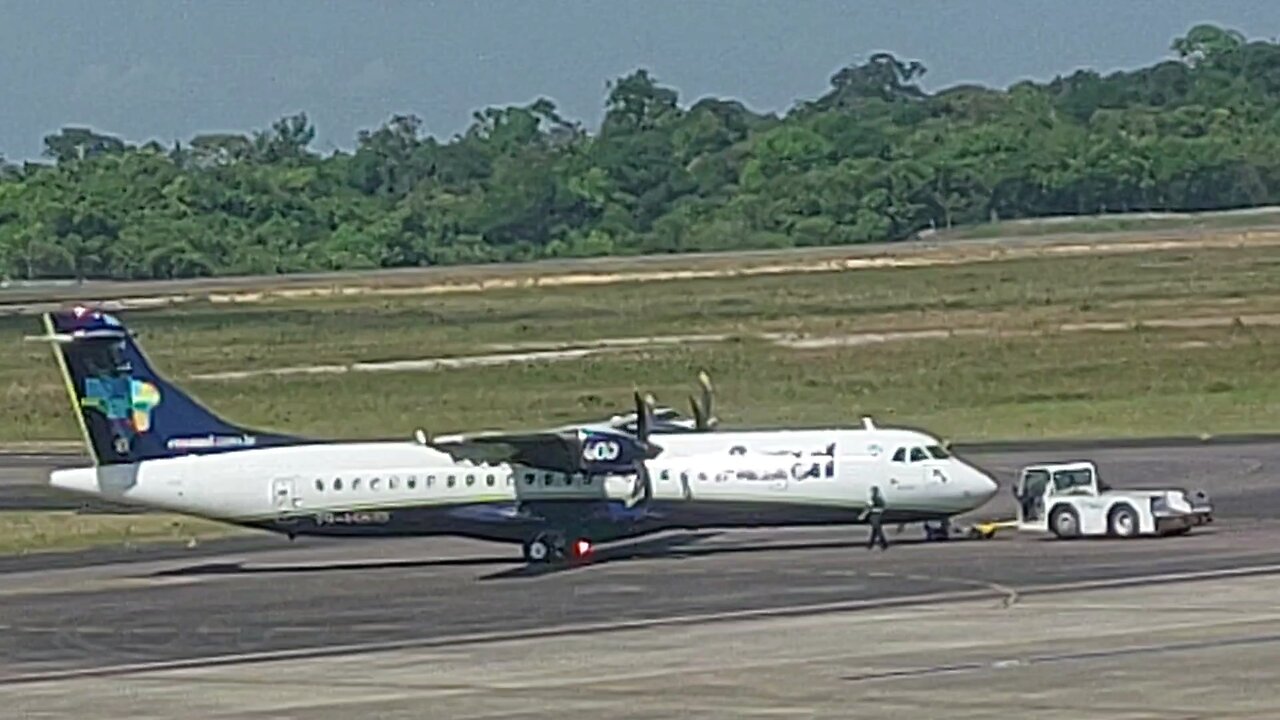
[337,484]
[392,482]
[917,455]
[412,482]
[320,485]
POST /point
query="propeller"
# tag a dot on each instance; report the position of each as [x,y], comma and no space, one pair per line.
[703,415]
[644,425]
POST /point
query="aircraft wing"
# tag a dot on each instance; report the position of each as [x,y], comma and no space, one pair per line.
[549,450]
[591,450]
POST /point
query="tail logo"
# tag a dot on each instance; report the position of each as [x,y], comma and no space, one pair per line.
[122,399]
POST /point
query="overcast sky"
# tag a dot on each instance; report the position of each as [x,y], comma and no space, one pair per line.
[169,69]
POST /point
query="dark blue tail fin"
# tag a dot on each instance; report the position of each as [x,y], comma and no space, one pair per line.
[127,410]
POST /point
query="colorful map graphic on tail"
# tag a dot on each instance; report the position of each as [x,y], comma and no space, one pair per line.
[122,399]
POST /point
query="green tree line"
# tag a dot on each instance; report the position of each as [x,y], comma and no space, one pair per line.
[874,158]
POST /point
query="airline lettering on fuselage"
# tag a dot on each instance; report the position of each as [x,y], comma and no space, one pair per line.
[822,464]
[801,471]
[797,471]
[770,475]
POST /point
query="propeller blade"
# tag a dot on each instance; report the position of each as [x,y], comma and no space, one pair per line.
[699,419]
[644,485]
[644,421]
[706,418]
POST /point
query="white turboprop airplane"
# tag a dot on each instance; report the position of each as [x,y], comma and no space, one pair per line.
[555,492]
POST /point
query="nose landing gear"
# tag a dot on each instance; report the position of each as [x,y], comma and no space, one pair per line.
[940,532]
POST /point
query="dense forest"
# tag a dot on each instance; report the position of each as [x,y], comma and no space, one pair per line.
[874,158]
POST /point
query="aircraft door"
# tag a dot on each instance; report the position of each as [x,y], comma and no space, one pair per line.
[284,494]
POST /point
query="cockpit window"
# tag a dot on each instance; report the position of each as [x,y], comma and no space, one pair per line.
[900,455]
[938,452]
[917,455]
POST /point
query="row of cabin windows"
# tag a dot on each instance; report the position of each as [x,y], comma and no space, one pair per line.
[411,482]
[393,482]
[548,479]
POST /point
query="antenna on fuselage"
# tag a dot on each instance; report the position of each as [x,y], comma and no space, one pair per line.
[867,424]
[420,436]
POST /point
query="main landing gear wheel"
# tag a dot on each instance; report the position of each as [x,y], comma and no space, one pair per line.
[537,550]
[554,547]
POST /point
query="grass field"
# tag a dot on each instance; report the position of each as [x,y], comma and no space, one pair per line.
[1120,222]
[25,532]
[792,351]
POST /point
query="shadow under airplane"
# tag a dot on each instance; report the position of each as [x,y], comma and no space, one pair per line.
[683,545]
[666,547]
[237,568]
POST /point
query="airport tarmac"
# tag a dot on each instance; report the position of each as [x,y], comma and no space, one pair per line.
[799,623]
[1204,651]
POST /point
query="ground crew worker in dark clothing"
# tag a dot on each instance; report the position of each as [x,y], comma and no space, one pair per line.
[875,513]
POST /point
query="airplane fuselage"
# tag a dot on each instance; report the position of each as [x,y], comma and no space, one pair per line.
[717,479]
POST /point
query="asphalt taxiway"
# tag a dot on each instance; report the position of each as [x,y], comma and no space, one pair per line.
[803,623]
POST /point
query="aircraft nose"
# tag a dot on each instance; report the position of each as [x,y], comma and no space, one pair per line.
[981,485]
